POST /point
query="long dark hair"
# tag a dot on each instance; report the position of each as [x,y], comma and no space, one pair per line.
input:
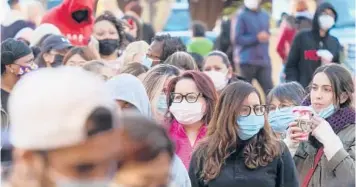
[341,83]
[204,85]
[222,137]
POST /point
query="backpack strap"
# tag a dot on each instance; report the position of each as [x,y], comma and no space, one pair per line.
[310,173]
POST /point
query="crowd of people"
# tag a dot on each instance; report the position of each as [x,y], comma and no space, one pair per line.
[91,99]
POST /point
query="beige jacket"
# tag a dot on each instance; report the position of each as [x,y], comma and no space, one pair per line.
[338,172]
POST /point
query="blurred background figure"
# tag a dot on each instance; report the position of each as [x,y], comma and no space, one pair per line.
[136,52]
[135,9]
[41,32]
[78,56]
[15,20]
[133,27]
[136,169]
[301,19]
[182,60]
[252,37]
[199,44]
[75,19]
[45,157]
[34,10]
[109,32]
[53,50]
[212,10]
[100,68]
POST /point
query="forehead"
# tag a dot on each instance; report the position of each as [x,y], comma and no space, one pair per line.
[321,79]
[186,85]
[251,100]
[95,149]
[25,59]
[214,61]
[329,12]
[104,25]
[156,47]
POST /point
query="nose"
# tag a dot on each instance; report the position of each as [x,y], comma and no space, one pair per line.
[319,94]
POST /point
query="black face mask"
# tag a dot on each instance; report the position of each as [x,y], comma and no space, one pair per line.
[58,61]
[108,46]
[80,15]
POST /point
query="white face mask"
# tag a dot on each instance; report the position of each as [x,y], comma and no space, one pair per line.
[219,79]
[252,4]
[326,22]
[187,113]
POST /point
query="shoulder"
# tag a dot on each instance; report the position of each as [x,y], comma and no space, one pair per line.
[333,39]
[303,33]
[347,134]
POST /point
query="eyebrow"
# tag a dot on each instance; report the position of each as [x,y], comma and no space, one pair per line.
[321,85]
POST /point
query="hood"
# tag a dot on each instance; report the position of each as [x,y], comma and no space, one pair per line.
[129,88]
[75,5]
[318,12]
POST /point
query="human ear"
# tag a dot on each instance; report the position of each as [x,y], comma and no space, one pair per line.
[343,98]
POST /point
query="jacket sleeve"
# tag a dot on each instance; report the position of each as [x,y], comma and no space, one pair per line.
[242,38]
[336,58]
[281,43]
[291,69]
[343,165]
[179,173]
[194,173]
[287,175]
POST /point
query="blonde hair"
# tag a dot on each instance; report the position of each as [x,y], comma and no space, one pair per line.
[133,49]
[100,68]
[182,60]
[154,81]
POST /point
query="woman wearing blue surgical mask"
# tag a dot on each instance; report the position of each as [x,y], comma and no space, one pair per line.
[280,101]
[156,83]
[191,103]
[240,149]
[326,156]
[218,67]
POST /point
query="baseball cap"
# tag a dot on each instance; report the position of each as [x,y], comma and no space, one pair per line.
[57,42]
[49,108]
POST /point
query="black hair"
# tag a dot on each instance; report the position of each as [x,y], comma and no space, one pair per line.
[170,46]
[198,29]
[108,16]
[161,37]
[199,60]
[223,56]
[100,120]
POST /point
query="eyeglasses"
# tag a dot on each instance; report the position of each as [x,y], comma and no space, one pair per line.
[189,97]
[259,110]
[272,107]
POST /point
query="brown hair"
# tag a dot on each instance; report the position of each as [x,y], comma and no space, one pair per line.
[205,87]
[134,69]
[222,137]
[85,52]
[182,60]
[148,137]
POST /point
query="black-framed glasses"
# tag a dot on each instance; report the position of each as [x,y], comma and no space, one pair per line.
[259,110]
[189,97]
[272,107]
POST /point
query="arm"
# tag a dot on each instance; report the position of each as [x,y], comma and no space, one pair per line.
[336,58]
[242,38]
[291,70]
[287,174]
[281,44]
[194,173]
[343,165]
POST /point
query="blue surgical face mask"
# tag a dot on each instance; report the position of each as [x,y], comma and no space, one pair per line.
[147,61]
[162,103]
[281,118]
[327,112]
[249,126]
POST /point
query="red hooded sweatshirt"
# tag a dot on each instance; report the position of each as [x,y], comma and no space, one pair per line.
[61,16]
